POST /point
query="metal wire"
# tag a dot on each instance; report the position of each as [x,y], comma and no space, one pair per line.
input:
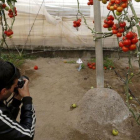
[32,25]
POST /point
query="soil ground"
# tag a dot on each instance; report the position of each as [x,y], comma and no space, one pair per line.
[56,85]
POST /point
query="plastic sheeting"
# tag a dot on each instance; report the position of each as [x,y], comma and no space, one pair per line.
[50,31]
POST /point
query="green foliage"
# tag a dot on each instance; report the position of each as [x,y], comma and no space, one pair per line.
[108,63]
[82,66]
[11,1]
[92,60]
[71,62]
[16,59]
[3,1]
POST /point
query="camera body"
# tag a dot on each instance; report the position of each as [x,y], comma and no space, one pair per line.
[21,83]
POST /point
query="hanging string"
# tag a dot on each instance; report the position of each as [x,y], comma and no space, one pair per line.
[32,26]
[43,30]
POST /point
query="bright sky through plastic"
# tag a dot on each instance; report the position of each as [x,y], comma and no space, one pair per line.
[74,2]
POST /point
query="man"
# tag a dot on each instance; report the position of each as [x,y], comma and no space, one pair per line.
[10,129]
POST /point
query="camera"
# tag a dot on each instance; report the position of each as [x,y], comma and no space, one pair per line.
[21,83]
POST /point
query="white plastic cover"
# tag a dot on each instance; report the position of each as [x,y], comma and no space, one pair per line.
[53,26]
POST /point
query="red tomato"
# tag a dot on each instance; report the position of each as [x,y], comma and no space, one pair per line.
[127,42]
[105,21]
[129,35]
[110,22]
[105,25]
[74,25]
[135,35]
[35,67]
[88,64]
[93,64]
[115,6]
[121,44]
[124,38]
[121,30]
[105,68]
[90,67]
[125,49]
[124,0]
[115,27]
[74,22]
[78,23]
[88,3]
[112,1]
[132,47]
[93,67]
[3,5]
[119,34]
[110,17]
[124,5]
[108,7]
[79,20]
[117,1]
[134,40]
[120,9]
[122,24]
[114,31]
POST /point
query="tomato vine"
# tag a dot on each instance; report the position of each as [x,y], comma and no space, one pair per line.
[120,24]
[7,29]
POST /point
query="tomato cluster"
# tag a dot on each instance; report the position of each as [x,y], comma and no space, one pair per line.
[118,29]
[108,23]
[128,42]
[118,5]
[8,32]
[104,1]
[13,13]
[4,6]
[92,65]
[90,2]
[77,23]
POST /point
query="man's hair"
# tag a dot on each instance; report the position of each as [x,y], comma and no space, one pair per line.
[8,74]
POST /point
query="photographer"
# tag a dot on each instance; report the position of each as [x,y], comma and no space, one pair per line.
[10,129]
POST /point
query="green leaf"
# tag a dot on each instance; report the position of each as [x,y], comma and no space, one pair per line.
[3,1]
[11,1]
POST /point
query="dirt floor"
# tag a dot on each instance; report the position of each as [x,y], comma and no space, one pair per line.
[56,85]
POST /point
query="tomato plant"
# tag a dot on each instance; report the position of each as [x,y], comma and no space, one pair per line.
[119,24]
[7,31]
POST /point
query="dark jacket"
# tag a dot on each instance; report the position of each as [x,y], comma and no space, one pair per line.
[10,129]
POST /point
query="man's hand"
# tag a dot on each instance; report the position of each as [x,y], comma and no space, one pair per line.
[24,91]
[17,96]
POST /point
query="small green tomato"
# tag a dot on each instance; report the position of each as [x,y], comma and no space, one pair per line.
[110,28]
[137,0]
[115,132]
[74,105]
[130,98]
[10,36]
[92,87]
[132,74]
[6,8]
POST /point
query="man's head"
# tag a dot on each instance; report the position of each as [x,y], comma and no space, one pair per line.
[9,75]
